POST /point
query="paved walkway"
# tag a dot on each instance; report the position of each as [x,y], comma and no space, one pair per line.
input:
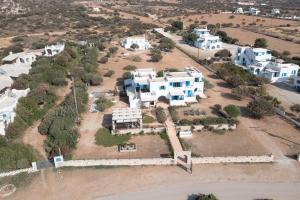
[172,134]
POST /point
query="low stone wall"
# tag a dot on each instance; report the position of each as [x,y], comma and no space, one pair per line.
[118,162]
[16,172]
[215,127]
[139,130]
[233,159]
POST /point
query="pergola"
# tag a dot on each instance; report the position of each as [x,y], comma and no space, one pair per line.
[126,118]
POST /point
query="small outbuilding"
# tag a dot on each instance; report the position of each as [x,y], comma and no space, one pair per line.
[126,118]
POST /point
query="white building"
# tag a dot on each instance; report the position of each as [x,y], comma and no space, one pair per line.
[52,50]
[207,41]
[141,42]
[8,103]
[239,10]
[5,82]
[260,62]
[16,64]
[275,11]
[253,11]
[144,89]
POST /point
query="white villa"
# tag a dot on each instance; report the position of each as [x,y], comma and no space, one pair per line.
[253,11]
[207,41]
[52,50]
[141,42]
[260,62]
[8,103]
[145,88]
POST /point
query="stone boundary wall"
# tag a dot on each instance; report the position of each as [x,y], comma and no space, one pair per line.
[233,159]
[118,162]
[16,172]
[138,131]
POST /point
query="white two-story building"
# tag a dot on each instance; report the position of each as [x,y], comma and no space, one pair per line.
[207,41]
[141,42]
[145,88]
[52,50]
[260,62]
[253,11]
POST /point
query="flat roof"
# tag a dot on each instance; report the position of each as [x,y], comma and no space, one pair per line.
[5,82]
[126,114]
[14,70]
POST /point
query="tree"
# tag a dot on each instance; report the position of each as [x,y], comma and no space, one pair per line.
[224,53]
[233,111]
[295,108]
[160,115]
[113,50]
[178,25]
[155,55]
[189,37]
[134,46]
[260,108]
[206,197]
[260,43]
[166,44]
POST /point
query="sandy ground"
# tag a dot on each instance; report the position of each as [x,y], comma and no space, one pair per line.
[248,37]
[285,93]
[96,183]
[238,19]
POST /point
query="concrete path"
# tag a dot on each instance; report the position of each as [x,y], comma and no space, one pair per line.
[177,148]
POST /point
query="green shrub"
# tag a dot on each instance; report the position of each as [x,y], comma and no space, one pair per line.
[233,111]
[206,197]
[174,114]
[109,73]
[260,108]
[224,53]
[113,50]
[103,60]
[166,44]
[130,68]
[260,43]
[126,75]
[102,104]
[160,115]
[156,55]
[105,138]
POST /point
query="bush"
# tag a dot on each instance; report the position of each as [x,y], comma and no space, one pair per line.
[260,43]
[113,50]
[130,68]
[224,53]
[233,111]
[189,37]
[102,104]
[177,25]
[295,108]
[105,138]
[126,75]
[160,115]
[174,114]
[156,55]
[136,58]
[166,44]
[206,197]
[109,73]
[260,108]
[134,46]
[103,60]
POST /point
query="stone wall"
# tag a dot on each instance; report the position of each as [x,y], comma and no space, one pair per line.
[138,131]
[16,172]
[233,159]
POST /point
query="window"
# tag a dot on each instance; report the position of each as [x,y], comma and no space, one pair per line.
[284,74]
[187,83]
[197,79]
[177,84]
[294,72]
[190,93]
[162,87]
[196,89]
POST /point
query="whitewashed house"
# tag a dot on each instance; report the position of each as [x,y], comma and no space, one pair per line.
[141,42]
[8,103]
[275,11]
[16,64]
[253,11]
[260,62]
[239,10]
[206,41]
[145,88]
[52,50]
[5,82]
